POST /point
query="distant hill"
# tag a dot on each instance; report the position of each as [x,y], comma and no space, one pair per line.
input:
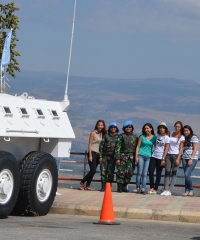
[141,100]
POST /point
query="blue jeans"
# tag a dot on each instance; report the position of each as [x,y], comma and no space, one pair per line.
[188,170]
[58,164]
[142,169]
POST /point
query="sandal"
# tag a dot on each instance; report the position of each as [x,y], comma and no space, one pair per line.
[191,194]
[89,189]
[152,191]
[185,194]
[81,187]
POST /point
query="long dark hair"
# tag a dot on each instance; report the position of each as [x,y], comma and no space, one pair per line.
[187,142]
[150,126]
[180,123]
[103,131]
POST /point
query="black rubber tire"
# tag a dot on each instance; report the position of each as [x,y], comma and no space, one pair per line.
[30,168]
[20,207]
[8,161]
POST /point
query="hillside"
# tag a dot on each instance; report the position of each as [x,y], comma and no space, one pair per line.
[141,100]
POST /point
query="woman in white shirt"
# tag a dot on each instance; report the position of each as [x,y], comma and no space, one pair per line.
[189,158]
[173,157]
[157,160]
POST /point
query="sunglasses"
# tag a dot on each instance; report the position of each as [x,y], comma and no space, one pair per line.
[113,127]
[128,127]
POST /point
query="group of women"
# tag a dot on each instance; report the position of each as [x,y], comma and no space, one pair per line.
[148,152]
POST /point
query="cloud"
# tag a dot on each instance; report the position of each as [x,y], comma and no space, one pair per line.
[175,19]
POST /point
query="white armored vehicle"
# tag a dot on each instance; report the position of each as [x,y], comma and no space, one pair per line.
[33,132]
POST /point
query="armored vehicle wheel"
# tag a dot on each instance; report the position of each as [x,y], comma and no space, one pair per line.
[9,183]
[20,206]
[38,184]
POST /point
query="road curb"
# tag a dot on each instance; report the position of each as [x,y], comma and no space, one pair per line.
[129,213]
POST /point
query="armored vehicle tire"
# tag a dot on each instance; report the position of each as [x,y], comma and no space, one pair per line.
[38,184]
[20,206]
[9,183]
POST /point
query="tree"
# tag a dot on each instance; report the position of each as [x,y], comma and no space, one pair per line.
[7,21]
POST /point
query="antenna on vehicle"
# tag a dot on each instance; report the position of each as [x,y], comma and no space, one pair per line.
[70,53]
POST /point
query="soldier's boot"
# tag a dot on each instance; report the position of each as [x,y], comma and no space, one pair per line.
[124,187]
[119,188]
[103,186]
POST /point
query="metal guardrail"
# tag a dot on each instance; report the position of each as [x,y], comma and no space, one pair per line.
[84,171]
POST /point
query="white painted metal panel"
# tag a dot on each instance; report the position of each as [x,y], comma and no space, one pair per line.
[16,125]
[57,147]
[41,130]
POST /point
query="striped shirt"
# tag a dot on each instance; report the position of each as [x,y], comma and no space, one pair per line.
[187,151]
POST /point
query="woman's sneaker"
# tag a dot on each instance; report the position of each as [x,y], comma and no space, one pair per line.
[163,193]
[137,190]
[168,193]
[143,191]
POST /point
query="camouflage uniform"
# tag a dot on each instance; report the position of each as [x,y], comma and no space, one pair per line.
[125,152]
[106,151]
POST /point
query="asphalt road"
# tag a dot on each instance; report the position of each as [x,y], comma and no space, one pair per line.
[55,226]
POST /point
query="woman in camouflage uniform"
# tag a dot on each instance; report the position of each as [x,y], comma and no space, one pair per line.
[106,151]
[125,156]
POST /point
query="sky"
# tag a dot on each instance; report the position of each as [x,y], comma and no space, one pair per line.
[112,38]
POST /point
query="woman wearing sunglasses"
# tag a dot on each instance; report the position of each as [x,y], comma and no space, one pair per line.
[157,160]
[106,150]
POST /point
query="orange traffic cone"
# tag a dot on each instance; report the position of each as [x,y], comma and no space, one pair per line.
[107,213]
